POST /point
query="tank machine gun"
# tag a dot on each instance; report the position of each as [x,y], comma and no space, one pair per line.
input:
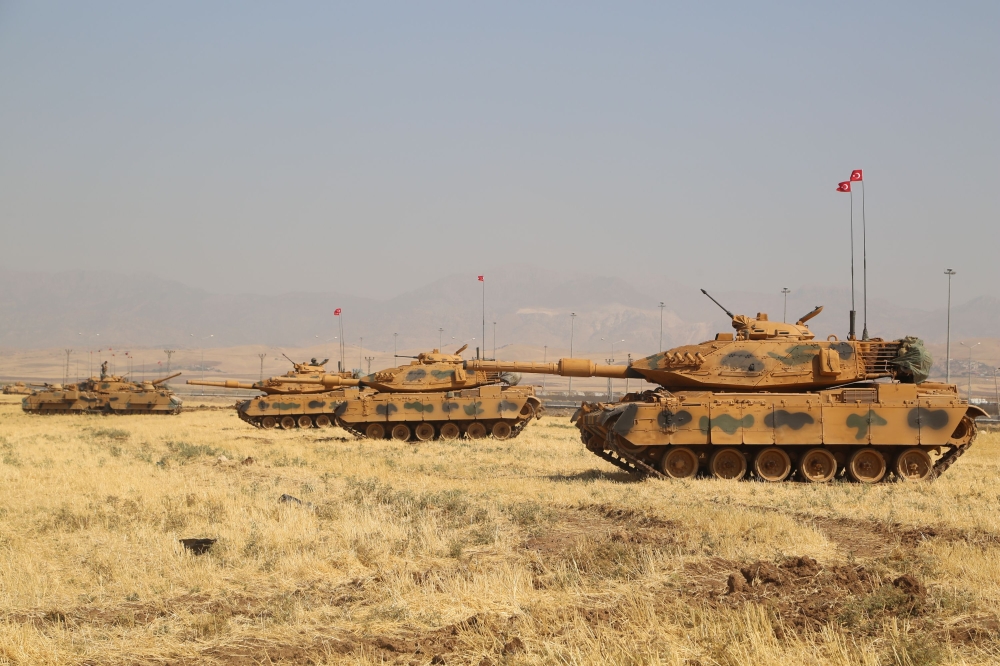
[111,394]
[432,397]
[770,399]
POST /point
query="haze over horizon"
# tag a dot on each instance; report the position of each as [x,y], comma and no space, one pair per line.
[368,149]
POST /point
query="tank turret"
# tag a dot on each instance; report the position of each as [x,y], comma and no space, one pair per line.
[283,383]
[428,371]
[760,356]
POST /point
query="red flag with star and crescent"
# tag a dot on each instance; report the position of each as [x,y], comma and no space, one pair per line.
[856,175]
[336,313]
[482,278]
[844,186]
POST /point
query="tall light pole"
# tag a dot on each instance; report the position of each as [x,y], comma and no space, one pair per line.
[785,291]
[545,359]
[661,324]
[494,341]
[996,391]
[947,367]
[971,347]
[572,320]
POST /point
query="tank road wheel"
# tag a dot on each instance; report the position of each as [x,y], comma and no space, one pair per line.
[323,421]
[818,465]
[305,421]
[401,432]
[476,430]
[501,430]
[287,422]
[867,465]
[772,464]
[450,431]
[728,463]
[424,432]
[680,462]
[913,465]
[268,422]
[375,431]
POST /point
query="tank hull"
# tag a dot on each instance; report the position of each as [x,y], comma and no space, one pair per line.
[874,424]
[157,401]
[377,415]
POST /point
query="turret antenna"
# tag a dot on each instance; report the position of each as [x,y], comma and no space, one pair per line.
[731,315]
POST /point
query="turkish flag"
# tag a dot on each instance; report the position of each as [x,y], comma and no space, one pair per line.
[481,279]
[856,175]
[844,186]
[336,313]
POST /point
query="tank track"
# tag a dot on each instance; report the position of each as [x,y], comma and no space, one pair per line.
[956,452]
[614,455]
[515,429]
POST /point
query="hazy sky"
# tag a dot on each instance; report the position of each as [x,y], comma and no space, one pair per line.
[375,147]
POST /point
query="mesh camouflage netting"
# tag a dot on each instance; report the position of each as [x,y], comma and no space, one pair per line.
[913,361]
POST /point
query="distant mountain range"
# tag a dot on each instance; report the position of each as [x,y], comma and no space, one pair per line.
[530,305]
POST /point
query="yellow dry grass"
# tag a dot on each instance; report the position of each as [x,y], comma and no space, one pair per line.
[530,551]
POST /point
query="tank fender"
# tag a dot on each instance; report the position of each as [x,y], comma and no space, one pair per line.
[974,412]
[610,412]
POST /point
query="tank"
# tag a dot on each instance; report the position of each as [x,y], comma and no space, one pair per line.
[107,394]
[17,388]
[433,397]
[771,401]
[281,385]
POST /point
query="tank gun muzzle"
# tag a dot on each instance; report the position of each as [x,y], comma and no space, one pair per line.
[229,384]
[565,367]
[157,382]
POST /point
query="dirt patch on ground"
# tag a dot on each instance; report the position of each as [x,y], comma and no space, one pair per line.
[872,539]
[592,523]
[801,594]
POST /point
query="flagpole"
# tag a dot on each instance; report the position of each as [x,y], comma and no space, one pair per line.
[852,335]
[864,259]
[484,318]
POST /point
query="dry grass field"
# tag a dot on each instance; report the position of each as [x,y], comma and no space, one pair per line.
[531,551]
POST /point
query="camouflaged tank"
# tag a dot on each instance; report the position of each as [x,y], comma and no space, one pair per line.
[770,401]
[109,394]
[17,388]
[433,397]
[280,385]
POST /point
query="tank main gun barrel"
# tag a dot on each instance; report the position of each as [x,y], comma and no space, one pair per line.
[565,367]
[325,380]
[229,383]
[730,314]
[160,381]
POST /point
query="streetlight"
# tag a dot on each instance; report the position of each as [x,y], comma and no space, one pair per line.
[203,358]
[545,359]
[785,291]
[971,347]
[947,367]
[996,391]
[661,325]
[572,320]
[440,337]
